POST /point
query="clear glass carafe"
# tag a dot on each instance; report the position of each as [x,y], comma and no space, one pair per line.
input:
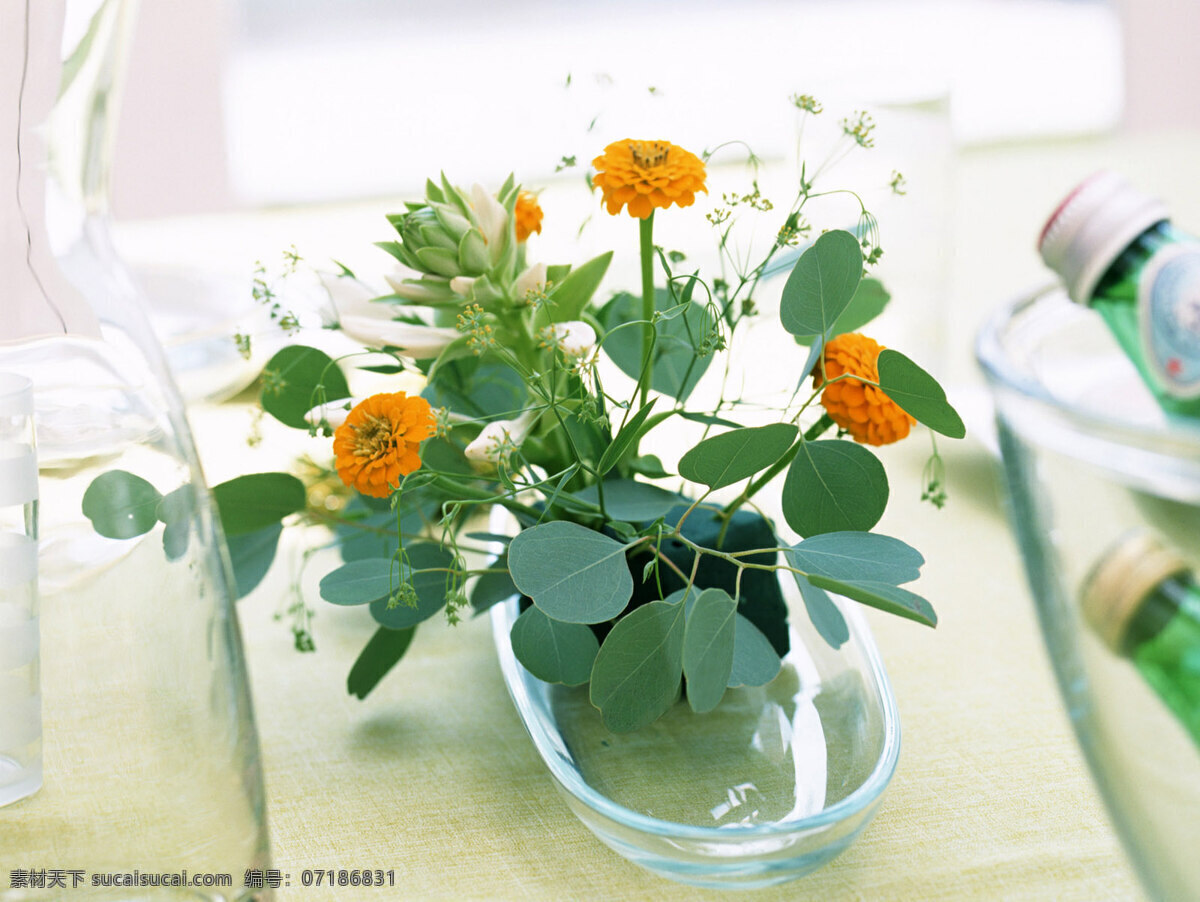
[152,787]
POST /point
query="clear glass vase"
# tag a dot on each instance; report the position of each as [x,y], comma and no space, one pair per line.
[152,787]
[768,787]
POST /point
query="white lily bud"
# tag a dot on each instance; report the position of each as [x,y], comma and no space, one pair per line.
[499,437]
[426,290]
[412,341]
[333,414]
[462,285]
[349,297]
[532,279]
[492,220]
[574,338]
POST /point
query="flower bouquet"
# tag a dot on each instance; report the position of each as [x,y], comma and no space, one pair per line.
[533,392]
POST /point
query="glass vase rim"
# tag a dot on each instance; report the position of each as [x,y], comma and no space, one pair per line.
[1002,373]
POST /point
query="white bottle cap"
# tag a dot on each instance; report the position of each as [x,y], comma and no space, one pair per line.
[1090,228]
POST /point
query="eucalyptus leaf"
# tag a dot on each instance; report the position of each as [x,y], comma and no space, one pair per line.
[378,656]
[677,365]
[175,511]
[833,486]
[554,651]
[918,393]
[708,640]
[883,596]
[857,555]
[493,588]
[755,661]
[252,555]
[571,572]
[294,380]
[628,499]
[822,284]
[477,388]
[870,299]
[637,673]
[248,503]
[823,613]
[732,456]
[372,531]
[121,505]
[360,582]
[426,574]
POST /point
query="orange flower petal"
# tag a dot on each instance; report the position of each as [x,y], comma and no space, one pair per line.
[379,441]
[630,171]
[864,411]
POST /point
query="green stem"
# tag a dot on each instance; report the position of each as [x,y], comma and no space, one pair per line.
[646,227]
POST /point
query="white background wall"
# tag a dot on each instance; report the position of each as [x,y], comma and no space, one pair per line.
[260,102]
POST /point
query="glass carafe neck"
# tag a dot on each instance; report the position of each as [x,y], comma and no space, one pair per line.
[38,300]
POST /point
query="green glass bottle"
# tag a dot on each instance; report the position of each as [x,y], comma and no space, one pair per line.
[1144,602]
[1118,253]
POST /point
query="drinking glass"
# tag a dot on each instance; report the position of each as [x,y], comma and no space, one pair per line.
[20,698]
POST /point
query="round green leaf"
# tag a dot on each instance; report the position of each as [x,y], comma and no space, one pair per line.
[552,650]
[735,455]
[677,365]
[834,485]
[571,572]
[857,555]
[252,555]
[870,298]
[249,503]
[121,505]
[636,675]
[290,384]
[822,284]
[426,573]
[359,582]
[918,393]
[708,639]
[755,661]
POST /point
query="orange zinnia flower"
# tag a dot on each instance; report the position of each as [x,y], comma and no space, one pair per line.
[864,411]
[647,174]
[378,442]
[527,215]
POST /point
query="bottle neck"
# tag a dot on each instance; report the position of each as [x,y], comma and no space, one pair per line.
[1120,280]
[1174,597]
[38,300]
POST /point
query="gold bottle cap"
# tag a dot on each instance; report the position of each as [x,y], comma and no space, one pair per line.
[1118,584]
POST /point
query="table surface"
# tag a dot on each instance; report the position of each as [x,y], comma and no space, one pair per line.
[433,776]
